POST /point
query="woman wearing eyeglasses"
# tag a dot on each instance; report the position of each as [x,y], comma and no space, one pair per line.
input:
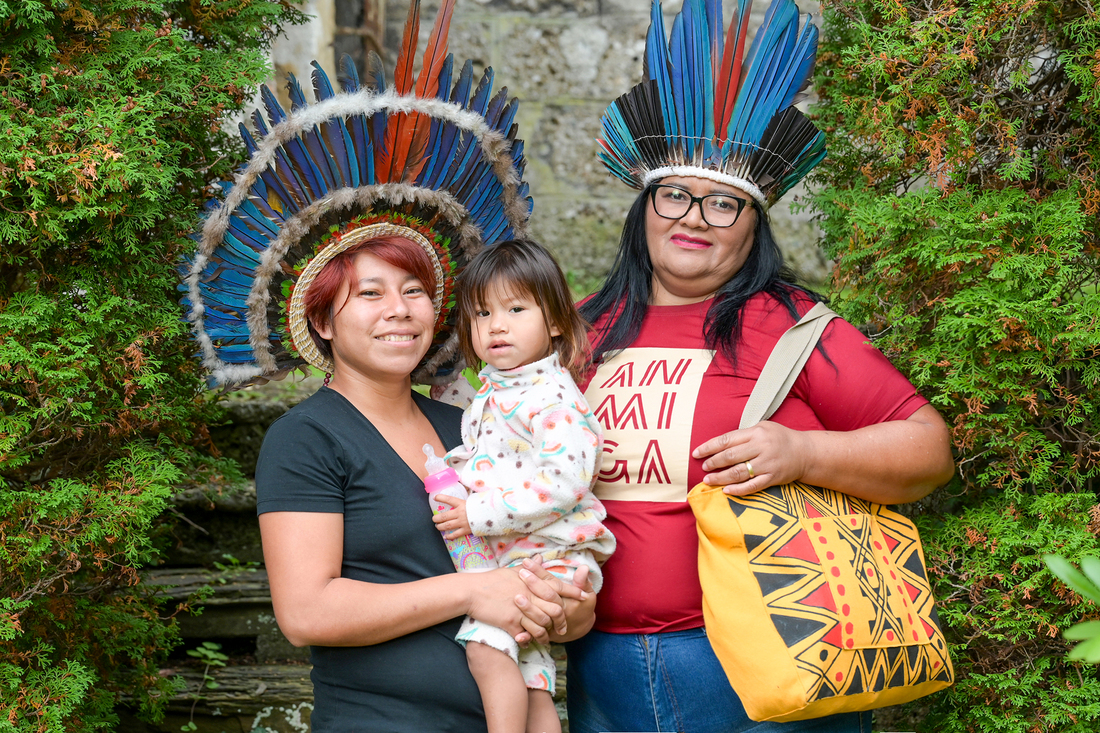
[694,304]
[696,300]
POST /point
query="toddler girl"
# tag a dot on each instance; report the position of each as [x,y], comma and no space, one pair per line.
[530,450]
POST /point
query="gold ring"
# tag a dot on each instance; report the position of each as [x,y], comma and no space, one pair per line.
[748,466]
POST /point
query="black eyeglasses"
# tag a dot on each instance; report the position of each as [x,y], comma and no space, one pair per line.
[718,209]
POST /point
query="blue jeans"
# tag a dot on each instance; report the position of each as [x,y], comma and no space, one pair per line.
[666,682]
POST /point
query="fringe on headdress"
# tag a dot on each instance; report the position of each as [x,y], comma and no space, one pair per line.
[710,109]
[425,154]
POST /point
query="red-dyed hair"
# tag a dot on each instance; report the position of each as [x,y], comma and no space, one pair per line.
[320,300]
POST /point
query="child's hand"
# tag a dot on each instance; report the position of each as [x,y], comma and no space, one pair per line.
[454,522]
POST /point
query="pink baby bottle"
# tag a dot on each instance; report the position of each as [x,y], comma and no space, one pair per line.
[470,554]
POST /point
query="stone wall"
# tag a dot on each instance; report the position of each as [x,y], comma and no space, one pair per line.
[566,60]
[298,45]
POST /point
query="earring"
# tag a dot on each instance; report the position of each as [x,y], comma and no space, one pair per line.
[328,378]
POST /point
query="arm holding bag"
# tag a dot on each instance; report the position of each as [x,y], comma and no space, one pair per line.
[815,602]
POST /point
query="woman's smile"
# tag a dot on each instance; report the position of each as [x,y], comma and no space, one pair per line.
[687,242]
[397,337]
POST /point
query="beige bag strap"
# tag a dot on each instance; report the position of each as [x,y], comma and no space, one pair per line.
[784,364]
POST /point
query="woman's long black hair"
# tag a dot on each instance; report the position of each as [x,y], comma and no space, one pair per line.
[625,294]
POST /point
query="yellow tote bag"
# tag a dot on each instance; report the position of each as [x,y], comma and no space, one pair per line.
[815,602]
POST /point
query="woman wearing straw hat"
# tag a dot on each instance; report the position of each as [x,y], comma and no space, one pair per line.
[338,247]
[353,558]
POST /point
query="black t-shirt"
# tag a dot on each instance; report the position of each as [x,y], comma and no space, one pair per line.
[325,456]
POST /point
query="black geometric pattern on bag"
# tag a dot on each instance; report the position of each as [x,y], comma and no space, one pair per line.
[806,598]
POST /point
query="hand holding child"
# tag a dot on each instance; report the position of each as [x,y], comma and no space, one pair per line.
[454,522]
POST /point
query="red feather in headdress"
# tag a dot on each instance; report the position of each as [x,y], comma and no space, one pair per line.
[727,82]
[407,137]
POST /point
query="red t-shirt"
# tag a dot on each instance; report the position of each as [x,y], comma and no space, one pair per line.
[667,394]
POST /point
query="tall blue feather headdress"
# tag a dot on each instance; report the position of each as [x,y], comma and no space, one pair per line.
[709,109]
[434,162]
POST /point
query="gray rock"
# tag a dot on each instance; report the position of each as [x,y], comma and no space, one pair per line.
[797,235]
[550,8]
[215,536]
[236,604]
[582,232]
[546,59]
[562,157]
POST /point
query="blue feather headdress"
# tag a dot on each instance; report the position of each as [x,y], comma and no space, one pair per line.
[436,163]
[708,109]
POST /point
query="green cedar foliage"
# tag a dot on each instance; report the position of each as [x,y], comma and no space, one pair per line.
[1085,581]
[110,134]
[961,204]
[1004,614]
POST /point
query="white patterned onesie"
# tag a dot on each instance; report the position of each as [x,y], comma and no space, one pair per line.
[530,450]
